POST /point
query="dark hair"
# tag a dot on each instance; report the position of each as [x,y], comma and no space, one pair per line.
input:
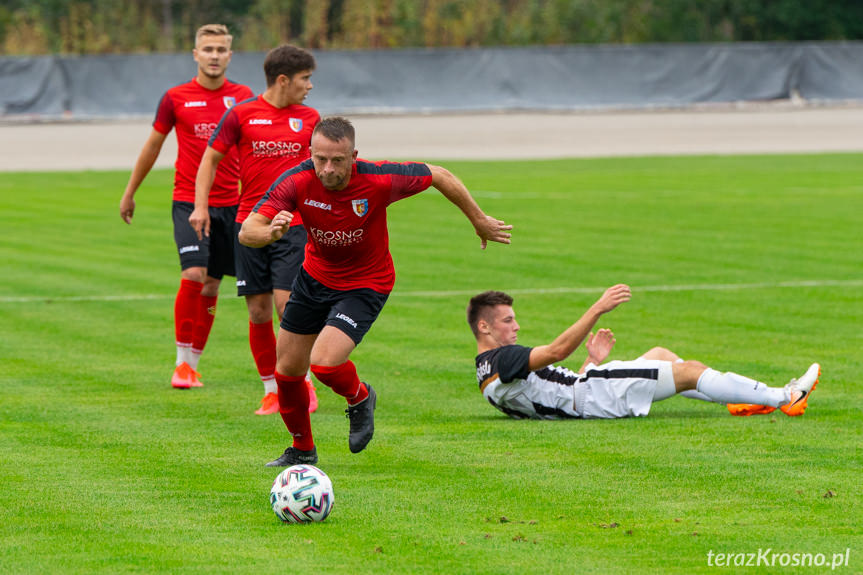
[335,128]
[480,304]
[286,60]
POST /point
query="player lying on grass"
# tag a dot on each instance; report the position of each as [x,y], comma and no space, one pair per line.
[348,271]
[523,382]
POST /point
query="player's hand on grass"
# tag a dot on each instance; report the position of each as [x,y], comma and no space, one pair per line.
[599,345]
[613,297]
[200,222]
[127,208]
[280,224]
[493,229]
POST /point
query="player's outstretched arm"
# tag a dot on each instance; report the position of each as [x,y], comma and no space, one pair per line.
[143,165]
[259,230]
[487,227]
[569,340]
[200,218]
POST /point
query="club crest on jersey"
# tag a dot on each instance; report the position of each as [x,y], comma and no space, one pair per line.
[229,101]
[296,124]
[361,207]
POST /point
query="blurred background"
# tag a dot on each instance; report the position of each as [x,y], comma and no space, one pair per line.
[39,27]
[470,78]
[91,59]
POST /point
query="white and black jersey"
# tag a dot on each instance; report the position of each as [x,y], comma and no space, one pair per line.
[508,384]
[611,390]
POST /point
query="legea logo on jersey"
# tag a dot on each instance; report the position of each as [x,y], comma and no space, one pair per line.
[229,101]
[260,122]
[296,124]
[268,148]
[320,205]
[198,104]
[361,207]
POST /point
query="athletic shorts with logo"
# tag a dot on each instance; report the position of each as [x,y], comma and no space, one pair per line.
[313,305]
[214,252]
[275,266]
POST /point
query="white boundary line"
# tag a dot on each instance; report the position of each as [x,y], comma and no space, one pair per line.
[658,288]
[452,293]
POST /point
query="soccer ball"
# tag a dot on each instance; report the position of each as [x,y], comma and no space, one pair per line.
[301,494]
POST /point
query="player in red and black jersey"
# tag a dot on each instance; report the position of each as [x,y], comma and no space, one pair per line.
[272,134]
[348,271]
[194,109]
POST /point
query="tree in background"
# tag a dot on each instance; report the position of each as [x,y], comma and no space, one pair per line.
[108,26]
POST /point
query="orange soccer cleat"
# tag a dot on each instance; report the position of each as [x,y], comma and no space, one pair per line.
[270,404]
[747,409]
[800,389]
[184,377]
[196,379]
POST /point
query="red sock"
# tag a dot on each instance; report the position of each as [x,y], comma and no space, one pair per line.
[206,315]
[262,340]
[186,311]
[342,379]
[294,409]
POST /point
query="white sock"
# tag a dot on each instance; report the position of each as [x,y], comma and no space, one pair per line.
[194,358]
[730,387]
[692,394]
[270,385]
[184,353]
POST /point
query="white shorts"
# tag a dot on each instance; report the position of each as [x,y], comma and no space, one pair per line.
[621,388]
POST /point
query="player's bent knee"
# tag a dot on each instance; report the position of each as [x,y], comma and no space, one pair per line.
[661,354]
[260,308]
[686,374]
[195,274]
[696,365]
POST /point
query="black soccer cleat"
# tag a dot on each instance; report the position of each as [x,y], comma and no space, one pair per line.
[293,456]
[362,416]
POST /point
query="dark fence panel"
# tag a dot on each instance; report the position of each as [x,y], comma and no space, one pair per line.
[457,80]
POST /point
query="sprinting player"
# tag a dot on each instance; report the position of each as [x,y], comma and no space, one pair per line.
[272,133]
[348,271]
[195,108]
[523,382]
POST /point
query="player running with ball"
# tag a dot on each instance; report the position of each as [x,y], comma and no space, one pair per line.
[348,272]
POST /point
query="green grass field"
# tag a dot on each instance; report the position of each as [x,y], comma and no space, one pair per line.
[749,264]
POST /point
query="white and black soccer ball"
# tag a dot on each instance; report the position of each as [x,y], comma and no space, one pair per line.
[301,494]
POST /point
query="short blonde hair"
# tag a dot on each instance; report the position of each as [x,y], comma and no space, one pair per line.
[213,30]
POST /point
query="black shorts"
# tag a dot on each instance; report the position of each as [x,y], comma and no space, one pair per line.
[216,251]
[313,305]
[261,270]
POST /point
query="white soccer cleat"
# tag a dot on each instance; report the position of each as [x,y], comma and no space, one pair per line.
[799,391]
